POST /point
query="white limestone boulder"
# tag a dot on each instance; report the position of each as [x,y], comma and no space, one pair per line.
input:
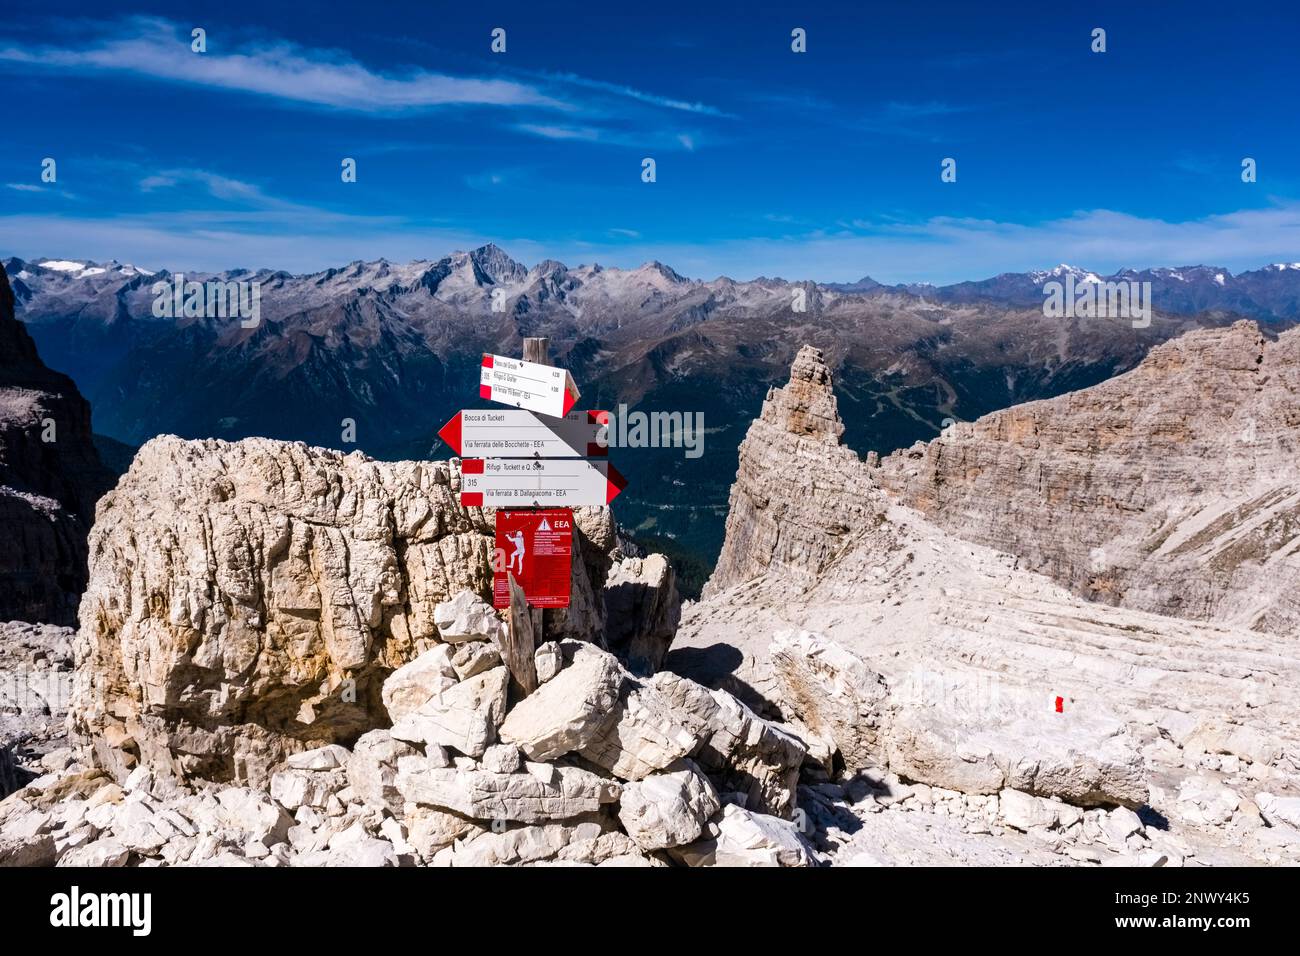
[833,693]
[543,792]
[740,837]
[372,769]
[464,716]
[413,684]
[570,710]
[322,758]
[669,808]
[466,617]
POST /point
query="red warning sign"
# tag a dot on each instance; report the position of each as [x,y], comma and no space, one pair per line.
[537,548]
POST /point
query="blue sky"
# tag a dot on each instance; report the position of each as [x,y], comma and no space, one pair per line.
[822,165]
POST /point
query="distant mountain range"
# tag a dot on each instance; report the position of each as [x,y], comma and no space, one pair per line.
[396,348]
[1269,294]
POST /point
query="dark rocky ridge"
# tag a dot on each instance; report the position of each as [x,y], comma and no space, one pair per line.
[48,489]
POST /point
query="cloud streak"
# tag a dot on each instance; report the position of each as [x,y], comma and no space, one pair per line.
[160,50]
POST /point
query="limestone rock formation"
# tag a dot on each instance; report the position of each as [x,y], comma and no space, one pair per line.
[444,797]
[642,610]
[286,661]
[1173,488]
[248,600]
[798,495]
[50,479]
[35,682]
[995,679]
[292,669]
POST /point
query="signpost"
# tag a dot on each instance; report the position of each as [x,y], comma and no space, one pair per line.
[515,433]
[544,389]
[537,482]
[539,455]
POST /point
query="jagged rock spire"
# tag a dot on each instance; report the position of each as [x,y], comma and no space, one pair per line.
[798,491]
[806,406]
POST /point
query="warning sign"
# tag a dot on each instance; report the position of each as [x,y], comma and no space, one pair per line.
[537,548]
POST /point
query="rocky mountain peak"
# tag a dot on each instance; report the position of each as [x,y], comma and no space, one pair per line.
[899,634]
[491,260]
[6,298]
[806,406]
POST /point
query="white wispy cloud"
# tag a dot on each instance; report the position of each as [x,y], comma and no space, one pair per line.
[663,139]
[159,49]
[214,184]
[555,131]
[653,99]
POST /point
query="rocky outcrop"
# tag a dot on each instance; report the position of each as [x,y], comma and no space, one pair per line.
[945,665]
[798,494]
[1088,758]
[449,801]
[837,697]
[642,611]
[50,479]
[1174,488]
[35,684]
[248,600]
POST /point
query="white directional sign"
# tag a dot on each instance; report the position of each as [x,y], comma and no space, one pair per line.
[523,482]
[544,389]
[515,433]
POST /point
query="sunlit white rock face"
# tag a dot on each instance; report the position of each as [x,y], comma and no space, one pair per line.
[956,681]
[248,599]
[1173,488]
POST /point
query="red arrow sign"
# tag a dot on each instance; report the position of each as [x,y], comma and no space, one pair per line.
[522,482]
[544,389]
[515,433]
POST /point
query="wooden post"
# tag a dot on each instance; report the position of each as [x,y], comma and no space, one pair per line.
[538,350]
[520,641]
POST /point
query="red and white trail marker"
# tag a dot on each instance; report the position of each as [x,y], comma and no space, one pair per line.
[537,482]
[537,548]
[543,389]
[515,433]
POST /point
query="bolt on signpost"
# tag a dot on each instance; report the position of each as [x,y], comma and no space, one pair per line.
[534,463]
